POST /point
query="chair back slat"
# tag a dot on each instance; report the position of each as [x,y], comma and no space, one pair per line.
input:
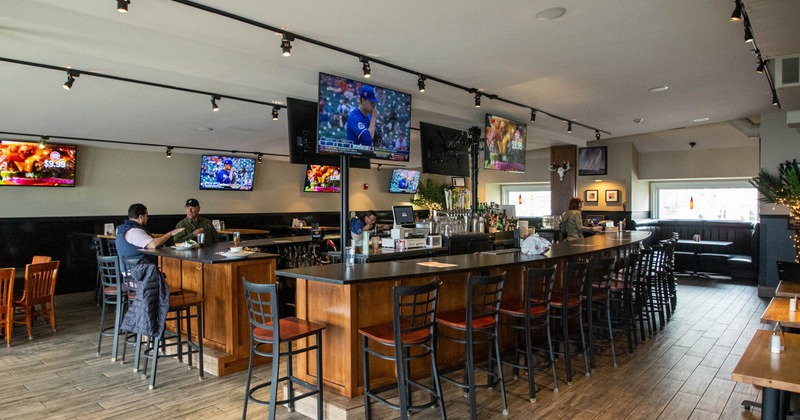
[574,280]
[414,307]
[483,296]
[40,259]
[6,290]
[538,288]
[262,306]
[110,274]
[112,247]
[40,282]
[600,273]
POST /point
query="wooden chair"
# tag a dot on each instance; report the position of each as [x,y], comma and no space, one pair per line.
[40,287]
[7,302]
[38,259]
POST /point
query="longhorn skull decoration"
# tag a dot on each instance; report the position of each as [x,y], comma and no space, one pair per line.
[560,168]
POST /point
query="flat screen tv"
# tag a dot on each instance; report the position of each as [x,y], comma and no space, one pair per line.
[26,164]
[403,215]
[505,144]
[218,172]
[404,181]
[444,150]
[302,116]
[323,178]
[342,128]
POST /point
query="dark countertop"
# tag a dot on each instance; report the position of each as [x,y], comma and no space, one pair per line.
[385,254]
[361,273]
[208,254]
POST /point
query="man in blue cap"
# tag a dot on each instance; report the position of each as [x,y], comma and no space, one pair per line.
[361,121]
[225,176]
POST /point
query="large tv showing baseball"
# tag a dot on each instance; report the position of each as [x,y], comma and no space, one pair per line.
[33,165]
[444,150]
[302,117]
[505,144]
[229,173]
[360,119]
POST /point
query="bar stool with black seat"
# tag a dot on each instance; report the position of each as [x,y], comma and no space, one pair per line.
[567,307]
[7,302]
[112,293]
[413,325]
[597,291]
[623,298]
[268,329]
[481,316]
[530,313]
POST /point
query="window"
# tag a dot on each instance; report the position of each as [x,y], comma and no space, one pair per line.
[529,200]
[709,200]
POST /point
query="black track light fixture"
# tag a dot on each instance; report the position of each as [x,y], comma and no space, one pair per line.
[748,33]
[71,75]
[761,65]
[43,141]
[477,99]
[775,100]
[214,99]
[365,67]
[569,126]
[275,113]
[737,11]
[259,157]
[169,152]
[597,134]
[122,6]
[533,115]
[421,83]
[286,45]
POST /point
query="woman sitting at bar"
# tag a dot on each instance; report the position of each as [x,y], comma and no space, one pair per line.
[572,221]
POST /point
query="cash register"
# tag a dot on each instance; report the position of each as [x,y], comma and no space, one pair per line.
[403,229]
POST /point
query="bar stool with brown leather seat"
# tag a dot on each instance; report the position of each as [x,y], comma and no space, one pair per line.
[567,306]
[7,302]
[480,316]
[413,325]
[533,310]
[268,329]
[40,287]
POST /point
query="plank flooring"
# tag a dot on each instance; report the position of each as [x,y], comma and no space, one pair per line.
[684,372]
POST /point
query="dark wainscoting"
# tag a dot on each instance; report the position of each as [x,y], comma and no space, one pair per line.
[68,239]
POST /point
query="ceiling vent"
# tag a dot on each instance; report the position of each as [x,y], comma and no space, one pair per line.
[787,71]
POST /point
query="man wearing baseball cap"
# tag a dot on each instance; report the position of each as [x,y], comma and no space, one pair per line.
[361,121]
[225,176]
[193,225]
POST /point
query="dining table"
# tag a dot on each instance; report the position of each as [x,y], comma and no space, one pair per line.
[698,247]
[788,289]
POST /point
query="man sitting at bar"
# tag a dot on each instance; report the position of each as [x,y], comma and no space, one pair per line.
[132,235]
[365,223]
[195,225]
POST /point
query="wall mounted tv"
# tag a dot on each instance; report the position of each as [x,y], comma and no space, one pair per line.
[505,144]
[302,116]
[323,178]
[26,164]
[444,150]
[404,181]
[231,173]
[343,129]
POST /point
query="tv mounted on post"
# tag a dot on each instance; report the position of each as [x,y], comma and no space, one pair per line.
[404,181]
[505,144]
[445,151]
[229,173]
[302,117]
[323,178]
[403,216]
[343,128]
[37,165]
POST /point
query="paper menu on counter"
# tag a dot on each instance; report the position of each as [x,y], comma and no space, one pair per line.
[436,264]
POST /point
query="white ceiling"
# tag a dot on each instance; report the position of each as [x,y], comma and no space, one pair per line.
[594,66]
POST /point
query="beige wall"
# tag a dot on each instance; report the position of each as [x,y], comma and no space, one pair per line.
[779,143]
[740,162]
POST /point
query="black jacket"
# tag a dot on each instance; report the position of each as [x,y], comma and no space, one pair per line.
[148,311]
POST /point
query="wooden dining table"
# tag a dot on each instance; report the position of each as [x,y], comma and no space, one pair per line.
[788,289]
[778,312]
[776,373]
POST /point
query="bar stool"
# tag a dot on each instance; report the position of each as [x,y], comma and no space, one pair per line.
[534,312]
[97,247]
[624,298]
[178,304]
[7,302]
[413,325]
[112,293]
[567,305]
[598,291]
[480,316]
[267,328]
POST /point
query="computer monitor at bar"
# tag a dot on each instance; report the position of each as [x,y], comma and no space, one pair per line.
[403,216]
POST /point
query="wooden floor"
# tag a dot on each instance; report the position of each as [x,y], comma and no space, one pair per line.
[683,372]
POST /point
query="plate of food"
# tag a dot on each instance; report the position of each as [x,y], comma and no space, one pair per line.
[185,245]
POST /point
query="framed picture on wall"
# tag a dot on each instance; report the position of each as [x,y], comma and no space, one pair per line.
[612,196]
[593,161]
[591,196]
[459,181]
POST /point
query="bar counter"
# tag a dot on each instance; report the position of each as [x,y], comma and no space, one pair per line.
[348,298]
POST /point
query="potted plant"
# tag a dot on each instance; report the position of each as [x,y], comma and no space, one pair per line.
[783,189]
[430,195]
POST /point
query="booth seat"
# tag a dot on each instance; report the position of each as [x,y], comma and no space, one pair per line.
[739,260]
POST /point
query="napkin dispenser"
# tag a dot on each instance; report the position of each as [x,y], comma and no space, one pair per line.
[433,241]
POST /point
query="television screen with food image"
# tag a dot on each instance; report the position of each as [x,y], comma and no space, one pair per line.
[229,173]
[360,119]
[37,164]
[505,144]
[323,178]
